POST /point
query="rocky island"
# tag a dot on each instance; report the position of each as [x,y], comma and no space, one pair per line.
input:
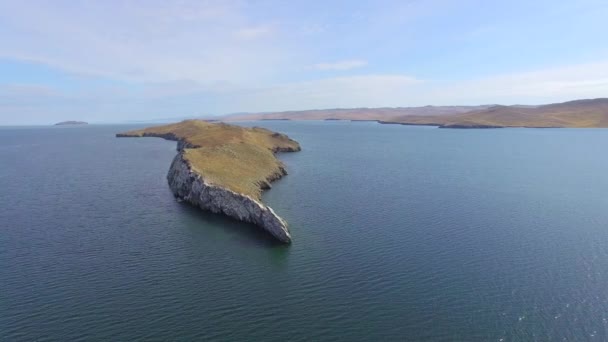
[224,168]
[64,123]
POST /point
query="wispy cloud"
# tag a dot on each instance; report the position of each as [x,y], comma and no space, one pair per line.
[154,58]
[568,82]
[138,41]
[341,65]
[190,98]
[253,32]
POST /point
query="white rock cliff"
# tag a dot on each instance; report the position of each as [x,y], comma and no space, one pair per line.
[191,187]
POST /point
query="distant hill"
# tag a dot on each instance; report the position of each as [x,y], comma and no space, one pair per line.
[579,113]
[354,113]
[62,123]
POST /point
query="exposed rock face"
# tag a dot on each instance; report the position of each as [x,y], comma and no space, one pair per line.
[191,187]
[224,169]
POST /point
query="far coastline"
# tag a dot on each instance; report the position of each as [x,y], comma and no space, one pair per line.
[71,123]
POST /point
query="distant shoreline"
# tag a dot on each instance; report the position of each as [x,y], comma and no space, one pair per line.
[586,113]
[69,123]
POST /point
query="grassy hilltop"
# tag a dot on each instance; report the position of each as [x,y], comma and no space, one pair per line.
[237,158]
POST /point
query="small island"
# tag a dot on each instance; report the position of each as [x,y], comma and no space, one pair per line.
[67,123]
[224,168]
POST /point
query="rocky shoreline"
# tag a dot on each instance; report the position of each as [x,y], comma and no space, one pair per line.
[190,185]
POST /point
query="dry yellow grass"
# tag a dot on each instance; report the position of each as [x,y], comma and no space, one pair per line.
[238,158]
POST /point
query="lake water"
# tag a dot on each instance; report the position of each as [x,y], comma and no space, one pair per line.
[399,233]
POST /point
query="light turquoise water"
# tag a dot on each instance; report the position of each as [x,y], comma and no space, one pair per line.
[400,233]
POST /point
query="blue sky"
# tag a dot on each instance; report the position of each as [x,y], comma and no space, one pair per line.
[116,61]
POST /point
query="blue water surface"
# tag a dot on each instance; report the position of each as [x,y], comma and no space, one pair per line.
[400,233]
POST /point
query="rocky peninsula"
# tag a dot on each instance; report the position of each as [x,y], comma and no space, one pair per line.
[224,168]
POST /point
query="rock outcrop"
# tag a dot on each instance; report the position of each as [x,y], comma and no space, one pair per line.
[224,169]
[191,187]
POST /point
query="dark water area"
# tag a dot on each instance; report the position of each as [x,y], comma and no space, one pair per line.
[400,233]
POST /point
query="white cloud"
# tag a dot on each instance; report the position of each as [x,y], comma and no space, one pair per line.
[539,86]
[393,90]
[143,41]
[25,91]
[341,65]
[352,91]
[253,32]
[191,57]
[192,98]
[312,29]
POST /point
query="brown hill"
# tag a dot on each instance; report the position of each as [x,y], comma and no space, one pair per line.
[355,113]
[579,113]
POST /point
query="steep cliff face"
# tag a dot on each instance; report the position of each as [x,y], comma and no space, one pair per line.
[225,168]
[191,187]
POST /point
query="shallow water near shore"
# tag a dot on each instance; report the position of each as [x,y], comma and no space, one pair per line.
[399,233]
